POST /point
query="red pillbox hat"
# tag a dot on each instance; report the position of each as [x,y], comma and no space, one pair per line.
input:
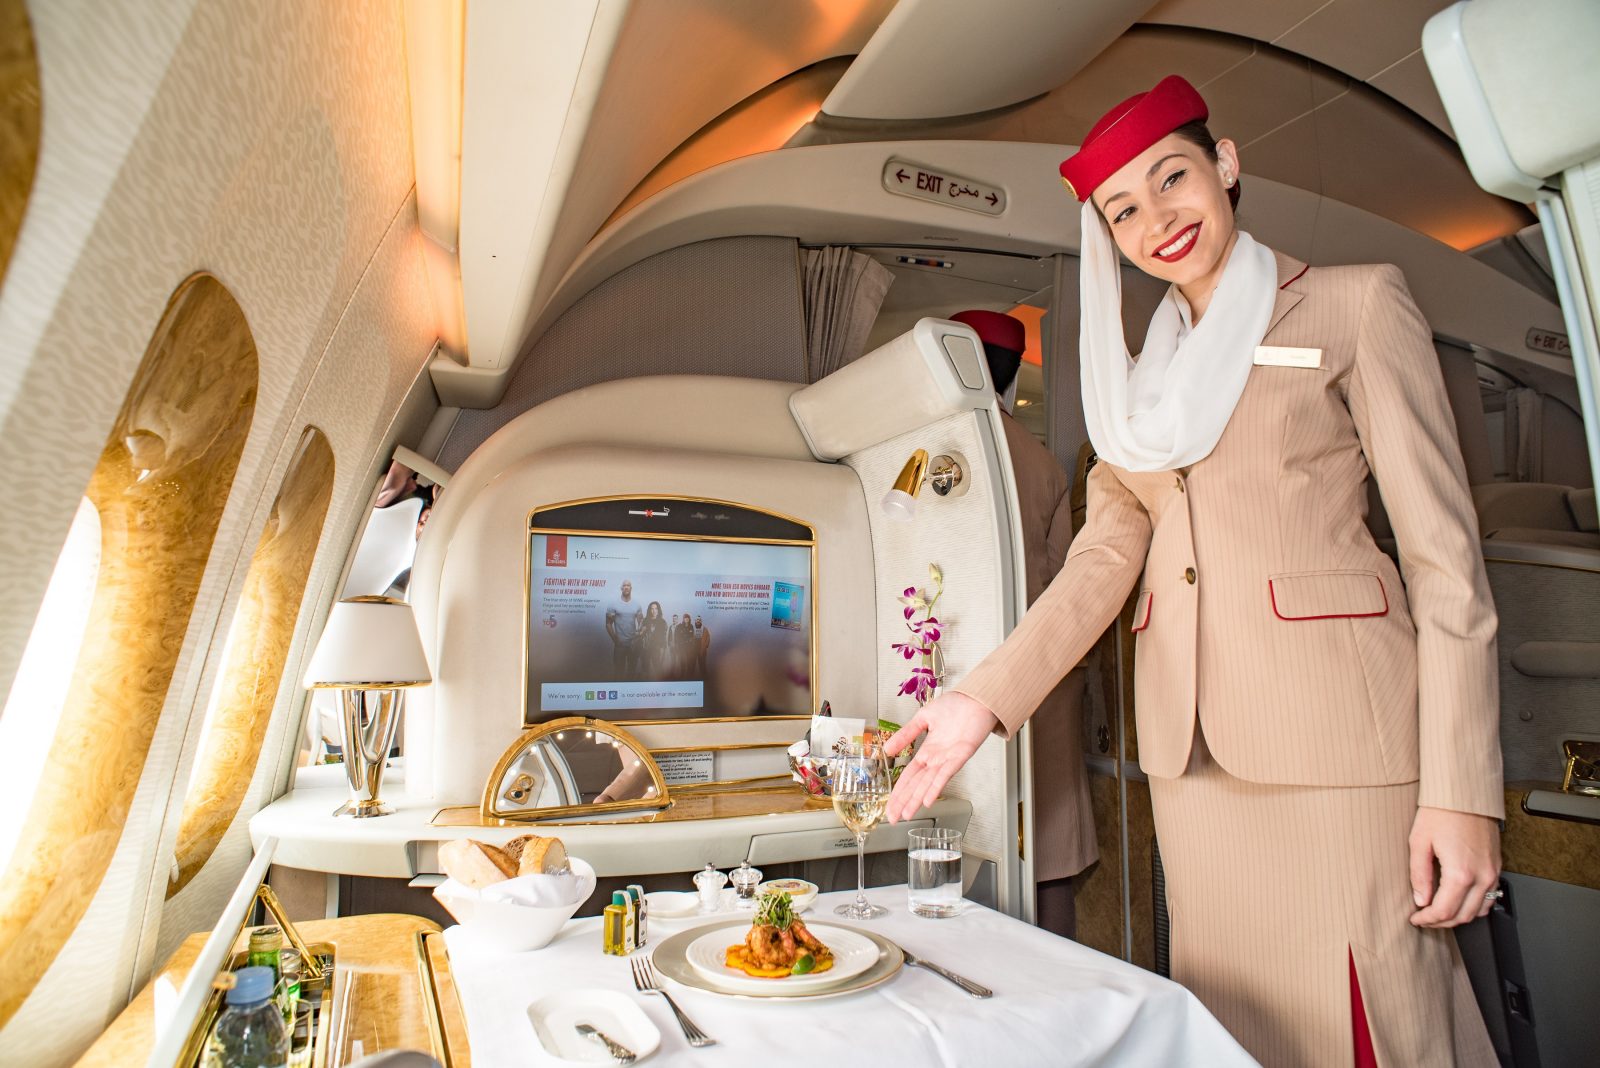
[995,328]
[1128,129]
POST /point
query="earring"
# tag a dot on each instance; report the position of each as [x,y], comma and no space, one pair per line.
[1230,182]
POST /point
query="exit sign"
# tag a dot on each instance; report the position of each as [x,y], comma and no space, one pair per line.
[941,187]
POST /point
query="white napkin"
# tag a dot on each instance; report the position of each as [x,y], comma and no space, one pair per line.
[556,890]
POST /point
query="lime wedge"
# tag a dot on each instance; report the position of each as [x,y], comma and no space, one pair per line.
[803,965]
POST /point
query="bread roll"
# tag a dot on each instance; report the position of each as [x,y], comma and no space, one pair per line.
[542,856]
[514,848]
[475,864]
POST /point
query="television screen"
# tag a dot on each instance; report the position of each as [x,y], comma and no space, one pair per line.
[625,628]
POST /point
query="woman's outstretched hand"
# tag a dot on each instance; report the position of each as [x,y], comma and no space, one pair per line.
[956,726]
[1466,848]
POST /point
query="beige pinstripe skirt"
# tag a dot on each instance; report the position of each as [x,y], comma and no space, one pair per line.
[1273,889]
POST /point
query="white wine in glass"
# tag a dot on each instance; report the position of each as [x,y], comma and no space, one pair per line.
[860,797]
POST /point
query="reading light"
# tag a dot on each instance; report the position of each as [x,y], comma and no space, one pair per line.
[943,474]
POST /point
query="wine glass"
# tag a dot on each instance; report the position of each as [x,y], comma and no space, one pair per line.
[860,796]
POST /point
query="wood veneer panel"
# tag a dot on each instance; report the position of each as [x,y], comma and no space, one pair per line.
[1098,890]
[386,1012]
[1565,851]
[20,110]
[160,488]
[258,647]
[1141,872]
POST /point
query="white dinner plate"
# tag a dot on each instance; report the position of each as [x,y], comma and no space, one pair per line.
[852,954]
[555,1018]
[671,960]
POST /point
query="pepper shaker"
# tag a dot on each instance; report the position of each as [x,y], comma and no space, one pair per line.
[745,881]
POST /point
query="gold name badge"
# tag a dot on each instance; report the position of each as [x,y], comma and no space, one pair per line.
[1284,356]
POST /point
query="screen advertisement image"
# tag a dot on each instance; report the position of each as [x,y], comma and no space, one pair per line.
[624,628]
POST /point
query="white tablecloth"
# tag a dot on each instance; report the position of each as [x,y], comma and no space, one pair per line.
[1055,1002]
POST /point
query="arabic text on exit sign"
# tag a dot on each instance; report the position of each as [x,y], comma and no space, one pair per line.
[942,187]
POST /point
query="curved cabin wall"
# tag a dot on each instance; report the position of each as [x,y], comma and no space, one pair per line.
[269,146]
[257,651]
[160,488]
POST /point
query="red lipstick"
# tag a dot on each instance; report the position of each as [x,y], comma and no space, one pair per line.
[1188,237]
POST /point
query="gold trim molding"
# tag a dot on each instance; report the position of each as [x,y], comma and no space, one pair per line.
[490,807]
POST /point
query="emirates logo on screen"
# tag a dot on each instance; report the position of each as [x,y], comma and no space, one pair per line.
[555,551]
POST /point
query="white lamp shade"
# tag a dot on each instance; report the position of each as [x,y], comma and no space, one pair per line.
[898,504]
[369,643]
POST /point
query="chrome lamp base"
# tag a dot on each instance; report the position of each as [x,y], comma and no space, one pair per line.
[363,809]
[367,723]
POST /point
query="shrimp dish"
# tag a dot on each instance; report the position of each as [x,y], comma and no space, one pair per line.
[778,944]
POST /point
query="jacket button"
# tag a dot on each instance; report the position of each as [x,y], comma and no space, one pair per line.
[1188,575]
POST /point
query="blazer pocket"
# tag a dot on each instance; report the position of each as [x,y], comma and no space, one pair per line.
[1327,595]
[1141,611]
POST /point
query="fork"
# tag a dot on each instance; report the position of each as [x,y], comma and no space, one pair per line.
[645,981]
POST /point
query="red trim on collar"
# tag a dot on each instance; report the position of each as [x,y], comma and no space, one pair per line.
[1296,278]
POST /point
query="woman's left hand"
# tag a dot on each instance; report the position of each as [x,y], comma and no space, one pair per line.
[1467,849]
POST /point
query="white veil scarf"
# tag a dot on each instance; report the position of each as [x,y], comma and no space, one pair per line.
[1169,408]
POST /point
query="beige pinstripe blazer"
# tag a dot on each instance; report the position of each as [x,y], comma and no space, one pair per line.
[1265,607]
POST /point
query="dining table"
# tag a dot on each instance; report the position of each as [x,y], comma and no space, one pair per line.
[1054,1003]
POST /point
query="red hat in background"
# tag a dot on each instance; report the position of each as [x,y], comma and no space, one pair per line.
[1128,129]
[995,328]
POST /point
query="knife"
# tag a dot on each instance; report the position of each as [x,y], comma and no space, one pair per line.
[975,989]
[620,1053]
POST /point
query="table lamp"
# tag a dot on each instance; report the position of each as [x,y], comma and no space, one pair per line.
[369,649]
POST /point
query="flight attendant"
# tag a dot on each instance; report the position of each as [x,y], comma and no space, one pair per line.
[1321,739]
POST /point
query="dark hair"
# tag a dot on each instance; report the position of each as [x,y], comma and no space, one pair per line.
[1198,135]
[1003,366]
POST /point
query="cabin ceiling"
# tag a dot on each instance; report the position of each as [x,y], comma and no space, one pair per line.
[1331,96]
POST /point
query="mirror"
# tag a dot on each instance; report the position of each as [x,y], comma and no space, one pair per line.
[381,566]
[570,767]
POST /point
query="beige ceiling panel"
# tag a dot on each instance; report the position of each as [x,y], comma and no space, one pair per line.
[1287,155]
[1261,20]
[1131,65]
[759,123]
[936,59]
[1362,37]
[1372,155]
[1410,83]
[597,94]
[1259,95]
[1327,83]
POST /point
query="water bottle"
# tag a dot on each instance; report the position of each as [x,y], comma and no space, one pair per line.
[250,1033]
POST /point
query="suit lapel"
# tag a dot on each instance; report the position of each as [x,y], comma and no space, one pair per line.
[1290,270]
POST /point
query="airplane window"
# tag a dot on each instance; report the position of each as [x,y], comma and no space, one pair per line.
[19,121]
[159,489]
[39,693]
[254,657]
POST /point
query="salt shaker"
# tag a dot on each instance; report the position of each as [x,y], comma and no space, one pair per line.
[745,881]
[710,883]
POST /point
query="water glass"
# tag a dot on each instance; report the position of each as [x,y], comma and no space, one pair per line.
[933,875]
